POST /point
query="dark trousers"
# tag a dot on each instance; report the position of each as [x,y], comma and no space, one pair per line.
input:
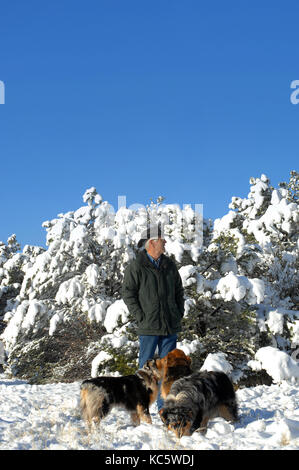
[148,346]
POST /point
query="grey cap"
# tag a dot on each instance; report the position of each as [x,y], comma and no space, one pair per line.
[151,233]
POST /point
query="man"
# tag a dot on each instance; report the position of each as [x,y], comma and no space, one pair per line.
[153,292]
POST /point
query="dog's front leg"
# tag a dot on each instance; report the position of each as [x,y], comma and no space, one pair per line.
[204,425]
[196,424]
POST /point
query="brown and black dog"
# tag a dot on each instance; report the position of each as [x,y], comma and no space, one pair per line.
[174,366]
[134,392]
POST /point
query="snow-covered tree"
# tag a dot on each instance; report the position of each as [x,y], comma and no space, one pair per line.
[240,275]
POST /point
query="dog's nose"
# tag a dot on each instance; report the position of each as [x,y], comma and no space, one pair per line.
[178,429]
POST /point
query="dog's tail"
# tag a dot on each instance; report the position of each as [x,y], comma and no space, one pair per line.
[84,403]
[93,402]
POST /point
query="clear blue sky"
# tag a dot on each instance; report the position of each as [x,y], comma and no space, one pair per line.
[185,99]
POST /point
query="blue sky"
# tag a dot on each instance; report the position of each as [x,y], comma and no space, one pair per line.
[185,99]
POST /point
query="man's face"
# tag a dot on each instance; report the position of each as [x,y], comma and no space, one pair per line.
[159,246]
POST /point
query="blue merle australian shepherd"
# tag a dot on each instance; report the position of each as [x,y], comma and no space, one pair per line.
[134,392]
[195,399]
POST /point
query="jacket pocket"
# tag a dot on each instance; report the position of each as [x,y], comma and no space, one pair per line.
[151,319]
[139,316]
[174,315]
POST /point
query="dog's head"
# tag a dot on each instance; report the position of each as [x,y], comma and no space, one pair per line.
[153,368]
[174,366]
[178,420]
[175,358]
[151,374]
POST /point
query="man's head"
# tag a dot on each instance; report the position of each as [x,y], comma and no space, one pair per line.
[152,239]
[155,247]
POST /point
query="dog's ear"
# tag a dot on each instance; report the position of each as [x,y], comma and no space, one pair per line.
[169,361]
[164,361]
[149,364]
[188,359]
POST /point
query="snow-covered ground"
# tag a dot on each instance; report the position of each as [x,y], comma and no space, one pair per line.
[48,417]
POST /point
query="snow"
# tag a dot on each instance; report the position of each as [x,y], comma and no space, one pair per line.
[275,319]
[217,362]
[97,311]
[237,287]
[103,356]
[224,222]
[47,417]
[92,273]
[91,195]
[281,214]
[188,275]
[53,323]
[118,310]
[278,364]
[68,290]
[188,347]
[28,315]
[174,248]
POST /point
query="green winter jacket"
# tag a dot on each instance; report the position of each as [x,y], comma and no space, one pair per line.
[155,297]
